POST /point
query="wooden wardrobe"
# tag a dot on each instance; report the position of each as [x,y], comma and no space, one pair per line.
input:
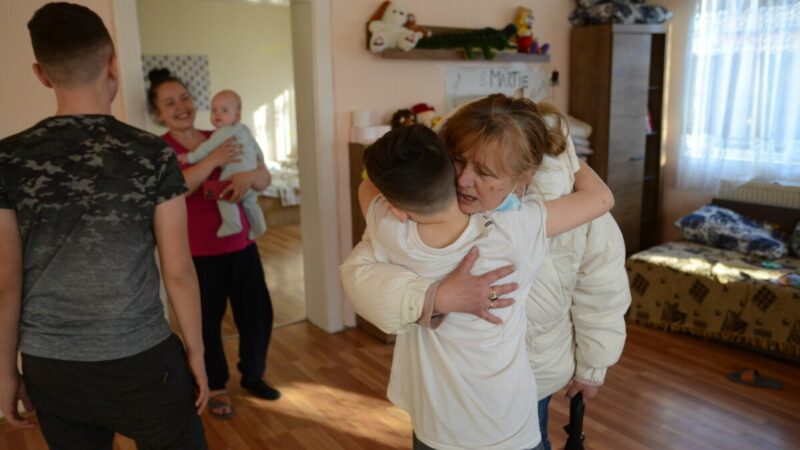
[617,86]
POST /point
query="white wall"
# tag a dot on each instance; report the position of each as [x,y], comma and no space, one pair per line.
[23,100]
[249,49]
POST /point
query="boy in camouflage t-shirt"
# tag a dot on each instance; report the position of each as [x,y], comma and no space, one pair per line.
[84,199]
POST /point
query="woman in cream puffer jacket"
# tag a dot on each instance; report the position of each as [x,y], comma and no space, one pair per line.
[575,309]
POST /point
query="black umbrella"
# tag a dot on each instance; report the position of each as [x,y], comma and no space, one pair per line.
[575,427]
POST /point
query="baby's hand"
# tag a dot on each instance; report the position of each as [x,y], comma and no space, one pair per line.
[183,158]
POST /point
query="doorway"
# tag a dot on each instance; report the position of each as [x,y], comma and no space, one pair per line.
[245,46]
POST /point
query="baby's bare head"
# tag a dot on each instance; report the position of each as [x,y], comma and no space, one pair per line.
[226,108]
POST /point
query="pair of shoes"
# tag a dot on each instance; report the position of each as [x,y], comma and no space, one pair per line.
[261,389]
[216,402]
[753,378]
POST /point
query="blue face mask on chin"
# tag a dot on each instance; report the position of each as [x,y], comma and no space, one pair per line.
[511,201]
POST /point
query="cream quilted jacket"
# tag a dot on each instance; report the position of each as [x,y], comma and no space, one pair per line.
[576,307]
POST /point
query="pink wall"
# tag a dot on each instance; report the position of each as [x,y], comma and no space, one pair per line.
[365,81]
[23,100]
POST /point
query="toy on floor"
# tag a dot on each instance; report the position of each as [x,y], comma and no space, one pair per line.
[751,377]
[388,29]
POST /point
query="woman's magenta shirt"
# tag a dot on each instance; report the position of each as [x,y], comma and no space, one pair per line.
[204,218]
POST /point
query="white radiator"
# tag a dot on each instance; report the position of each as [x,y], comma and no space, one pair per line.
[762,194]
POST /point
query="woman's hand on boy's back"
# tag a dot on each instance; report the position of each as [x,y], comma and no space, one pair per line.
[474,294]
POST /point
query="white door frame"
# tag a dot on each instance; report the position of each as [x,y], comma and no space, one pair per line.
[313,87]
[313,79]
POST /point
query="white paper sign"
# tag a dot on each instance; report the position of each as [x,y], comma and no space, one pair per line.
[465,83]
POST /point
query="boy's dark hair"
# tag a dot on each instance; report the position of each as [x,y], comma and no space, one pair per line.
[70,42]
[412,169]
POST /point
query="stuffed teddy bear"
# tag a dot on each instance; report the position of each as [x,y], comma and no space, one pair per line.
[387,29]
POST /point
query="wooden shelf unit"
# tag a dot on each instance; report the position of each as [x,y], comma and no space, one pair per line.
[616,77]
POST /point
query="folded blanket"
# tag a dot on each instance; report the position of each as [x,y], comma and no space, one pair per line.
[580,142]
[579,128]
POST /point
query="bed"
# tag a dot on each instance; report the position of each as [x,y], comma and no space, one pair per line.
[721,294]
[281,200]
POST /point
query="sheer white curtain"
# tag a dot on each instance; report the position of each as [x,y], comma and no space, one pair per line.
[742,101]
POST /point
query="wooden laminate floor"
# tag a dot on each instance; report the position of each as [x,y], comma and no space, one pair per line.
[668,391]
[281,250]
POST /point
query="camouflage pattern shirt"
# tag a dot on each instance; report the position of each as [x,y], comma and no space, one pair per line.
[85,189]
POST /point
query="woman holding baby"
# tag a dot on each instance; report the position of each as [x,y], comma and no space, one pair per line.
[229,266]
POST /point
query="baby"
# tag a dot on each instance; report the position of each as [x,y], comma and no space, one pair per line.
[226,113]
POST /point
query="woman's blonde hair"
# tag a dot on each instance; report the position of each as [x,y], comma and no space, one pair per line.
[515,132]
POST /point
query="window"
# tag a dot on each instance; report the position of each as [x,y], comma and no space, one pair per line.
[742,100]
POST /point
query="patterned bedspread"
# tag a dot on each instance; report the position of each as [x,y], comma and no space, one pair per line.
[720,294]
[285,185]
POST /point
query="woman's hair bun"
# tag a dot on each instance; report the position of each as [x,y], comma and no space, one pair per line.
[158,75]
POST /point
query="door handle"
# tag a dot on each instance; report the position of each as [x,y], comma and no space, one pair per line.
[636,158]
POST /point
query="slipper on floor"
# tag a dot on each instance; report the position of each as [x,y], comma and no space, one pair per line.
[216,403]
[753,378]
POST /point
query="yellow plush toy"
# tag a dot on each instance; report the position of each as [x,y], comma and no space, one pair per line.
[523,19]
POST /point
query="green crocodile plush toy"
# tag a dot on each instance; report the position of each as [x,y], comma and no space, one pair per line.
[487,39]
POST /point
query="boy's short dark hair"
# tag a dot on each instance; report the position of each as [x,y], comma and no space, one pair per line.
[412,169]
[70,42]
